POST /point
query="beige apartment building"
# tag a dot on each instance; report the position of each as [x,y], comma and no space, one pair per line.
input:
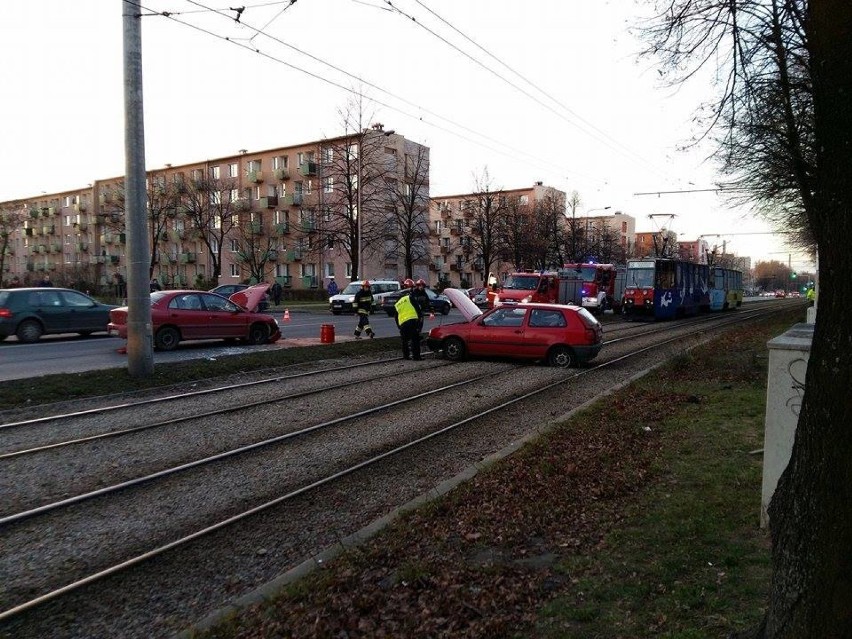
[456,258]
[618,230]
[289,213]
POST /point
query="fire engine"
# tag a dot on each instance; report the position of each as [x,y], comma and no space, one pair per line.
[596,287]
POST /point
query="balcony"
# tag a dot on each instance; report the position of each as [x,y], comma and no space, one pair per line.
[34,213]
[308,226]
[254,176]
[82,246]
[282,174]
[294,199]
[272,256]
[48,229]
[81,207]
[255,228]
[114,259]
[286,281]
[188,258]
[307,168]
[240,206]
[309,281]
[268,202]
[281,229]
[55,248]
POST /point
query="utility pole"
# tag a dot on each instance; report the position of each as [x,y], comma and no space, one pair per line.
[140,351]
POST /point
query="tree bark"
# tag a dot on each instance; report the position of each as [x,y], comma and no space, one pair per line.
[811,512]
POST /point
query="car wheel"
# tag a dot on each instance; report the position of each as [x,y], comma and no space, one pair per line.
[454,349]
[560,356]
[445,309]
[258,334]
[29,331]
[167,339]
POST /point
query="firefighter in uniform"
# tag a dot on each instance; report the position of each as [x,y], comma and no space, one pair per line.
[408,321]
[363,304]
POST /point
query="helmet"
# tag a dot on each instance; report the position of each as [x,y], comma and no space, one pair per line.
[408,283]
[421,282]
[365,283]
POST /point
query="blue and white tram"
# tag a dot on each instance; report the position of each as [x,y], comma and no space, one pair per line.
[662,288]
[726,288]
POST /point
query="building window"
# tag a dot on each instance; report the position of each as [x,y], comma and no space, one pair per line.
[279,162]
[525,199]
[233,170]
[328,155]
[214,173]
[234,245]
[439,224]
[326,214]
[328,185]
[235,270]
[329,269]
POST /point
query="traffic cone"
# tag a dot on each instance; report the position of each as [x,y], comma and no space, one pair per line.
[286,314]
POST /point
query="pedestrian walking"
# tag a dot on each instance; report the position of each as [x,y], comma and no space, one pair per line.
[155,285]
[408,322]
[332,286]
[45,281]
[363,304]
[275,292]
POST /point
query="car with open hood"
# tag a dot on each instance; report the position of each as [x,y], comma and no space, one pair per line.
[183,315]
[561,335]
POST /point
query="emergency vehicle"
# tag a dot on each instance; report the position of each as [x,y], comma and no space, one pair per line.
[595,287]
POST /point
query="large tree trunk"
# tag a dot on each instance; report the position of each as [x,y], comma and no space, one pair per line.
[811,513]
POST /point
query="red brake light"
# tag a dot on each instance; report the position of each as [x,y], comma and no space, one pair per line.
[5,313]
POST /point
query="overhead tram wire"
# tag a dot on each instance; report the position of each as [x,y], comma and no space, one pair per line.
[591,130]
[511,153]
[260,5]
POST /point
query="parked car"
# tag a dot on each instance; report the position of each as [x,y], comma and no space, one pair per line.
[30,313]
[342,302]
[437,303]
[480,298]
[562,335]
[226,290]
[476,290]
[178,316]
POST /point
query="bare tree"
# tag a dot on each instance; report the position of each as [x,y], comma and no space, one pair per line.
[485,209]
[212,207]
[516,237]
[11,218]
[354,168]
[787,143]
[407,237]
[573,245]
[163,200]
[256,247]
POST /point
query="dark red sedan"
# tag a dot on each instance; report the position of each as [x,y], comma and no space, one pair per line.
[561,335]
[178,316]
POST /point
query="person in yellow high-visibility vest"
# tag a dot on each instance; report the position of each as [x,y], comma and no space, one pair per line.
[407,319]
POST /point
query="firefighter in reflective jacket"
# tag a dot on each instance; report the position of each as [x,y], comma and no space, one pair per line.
[407,319]
[363,303]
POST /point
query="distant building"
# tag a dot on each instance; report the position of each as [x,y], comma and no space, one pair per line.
[662,243]
[696,251]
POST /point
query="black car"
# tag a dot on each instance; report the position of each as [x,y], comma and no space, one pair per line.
[226,290]
[438,303]
[30,313]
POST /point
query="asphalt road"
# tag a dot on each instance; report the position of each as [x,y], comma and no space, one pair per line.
[75,354]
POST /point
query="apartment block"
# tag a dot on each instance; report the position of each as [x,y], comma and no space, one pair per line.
[460,225]
[299,214]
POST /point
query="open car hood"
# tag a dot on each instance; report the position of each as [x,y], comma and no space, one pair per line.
[462,302]
[250,297]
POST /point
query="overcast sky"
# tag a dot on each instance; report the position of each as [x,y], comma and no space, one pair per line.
[548,90]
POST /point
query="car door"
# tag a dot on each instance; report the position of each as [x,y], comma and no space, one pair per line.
[48,305]
[547,326]
[224,318]
[84,314]
[499,333]
[188,313]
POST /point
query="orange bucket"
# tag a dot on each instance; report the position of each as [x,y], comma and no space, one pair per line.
[327,334]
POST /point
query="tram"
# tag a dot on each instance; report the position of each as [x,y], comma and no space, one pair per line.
[664,288]
[726,288]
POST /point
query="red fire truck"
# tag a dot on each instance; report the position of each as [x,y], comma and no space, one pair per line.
[596,287]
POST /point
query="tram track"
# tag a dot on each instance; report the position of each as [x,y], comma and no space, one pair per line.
[477,414]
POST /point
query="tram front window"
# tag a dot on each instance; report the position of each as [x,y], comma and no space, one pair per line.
[640,277]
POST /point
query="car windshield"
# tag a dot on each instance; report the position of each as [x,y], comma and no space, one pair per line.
[352,288]
[522,282]
[585,273]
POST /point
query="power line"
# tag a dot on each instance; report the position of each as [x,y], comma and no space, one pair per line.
[600,135]
[254,49]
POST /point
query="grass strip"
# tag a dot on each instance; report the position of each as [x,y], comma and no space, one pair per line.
[636,518]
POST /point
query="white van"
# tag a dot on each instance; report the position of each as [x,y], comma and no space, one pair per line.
[342,302]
